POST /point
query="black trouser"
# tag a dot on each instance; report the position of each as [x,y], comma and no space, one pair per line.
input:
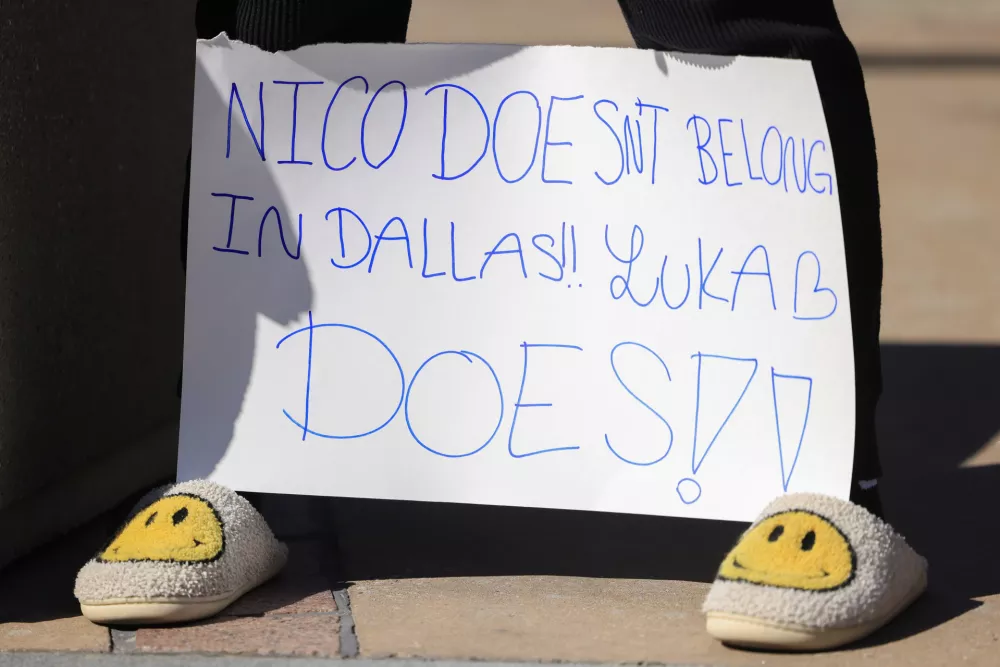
[805,29]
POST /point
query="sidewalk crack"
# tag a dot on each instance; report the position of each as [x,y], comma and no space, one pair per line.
[349,645]
[122,640]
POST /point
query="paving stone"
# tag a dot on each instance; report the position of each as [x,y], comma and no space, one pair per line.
[64,634]
[296,635]
[601,620]
[302,587]
[523,618]
[281,598]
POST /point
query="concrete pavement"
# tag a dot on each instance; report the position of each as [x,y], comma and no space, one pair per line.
[48,659]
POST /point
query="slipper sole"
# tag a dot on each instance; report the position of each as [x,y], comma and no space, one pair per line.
[162,611]
[749,632]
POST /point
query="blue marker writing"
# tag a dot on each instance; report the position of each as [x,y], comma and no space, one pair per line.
[688,489]
[825,175]
[423,270]
[468,356]
[234,94]
[446,87]
[364,123]
[516,250]
[521,404]
[626,281]
[304,424]
[326,122]
[343,246]
[746,153]
[766,273]
[790,142]
[454,275]
[496,135]
[705,277]
[382,236]
[295,117]
[725,154]
[663,285]
[701,147]
[555,260]
[788,463]
[621,149]
[670,431]
[656,109]
[232,219]
[548,126]
[781,156]
[637,159]
[281,232]
[816,290]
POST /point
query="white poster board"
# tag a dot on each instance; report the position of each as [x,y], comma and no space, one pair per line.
[581,278]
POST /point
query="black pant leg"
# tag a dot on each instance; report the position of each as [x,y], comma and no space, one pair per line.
[804,30]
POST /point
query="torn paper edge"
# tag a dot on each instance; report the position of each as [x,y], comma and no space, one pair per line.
[702,61]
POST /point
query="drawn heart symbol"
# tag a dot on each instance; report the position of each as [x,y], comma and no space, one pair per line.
[815,290]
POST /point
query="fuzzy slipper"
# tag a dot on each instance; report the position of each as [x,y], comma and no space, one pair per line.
[186,553]
[812,573]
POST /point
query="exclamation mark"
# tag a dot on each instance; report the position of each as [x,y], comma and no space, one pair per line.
[710,406]
[572,236]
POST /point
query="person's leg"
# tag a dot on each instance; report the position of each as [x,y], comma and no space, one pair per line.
[811,31]
[779,602]
[284,25]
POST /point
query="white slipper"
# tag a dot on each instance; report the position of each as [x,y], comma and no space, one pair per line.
[187,553]
[812,573]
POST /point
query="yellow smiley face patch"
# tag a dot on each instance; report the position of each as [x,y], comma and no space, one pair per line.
[795,549]
[179,528]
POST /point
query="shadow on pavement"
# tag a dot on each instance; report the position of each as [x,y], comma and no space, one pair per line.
[39,586]
[931,610]
[941,406]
